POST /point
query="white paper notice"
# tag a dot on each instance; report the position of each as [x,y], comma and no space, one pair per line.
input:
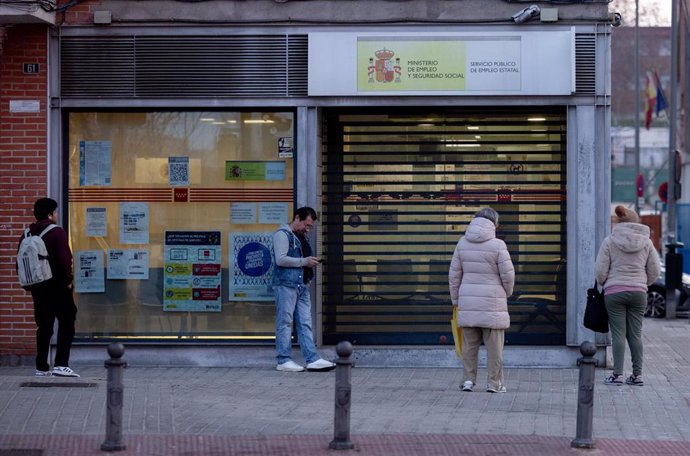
[96,222]
[88,271]
[273,213]
[243,213]
[95,166]
[134,223]
[128,264]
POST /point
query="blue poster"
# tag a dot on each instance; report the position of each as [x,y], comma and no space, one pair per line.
[251,266]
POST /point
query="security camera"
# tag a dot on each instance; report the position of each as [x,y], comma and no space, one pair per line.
[616,19]
[526,14]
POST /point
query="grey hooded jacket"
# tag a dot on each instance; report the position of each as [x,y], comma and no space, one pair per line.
[627,257]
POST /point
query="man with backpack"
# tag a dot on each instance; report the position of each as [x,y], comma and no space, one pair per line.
[51,287]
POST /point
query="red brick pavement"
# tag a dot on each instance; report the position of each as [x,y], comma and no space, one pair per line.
[376,445]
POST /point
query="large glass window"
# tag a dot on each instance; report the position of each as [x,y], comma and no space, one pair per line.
[400,189]
[168,212]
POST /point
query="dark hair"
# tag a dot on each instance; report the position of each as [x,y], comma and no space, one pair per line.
[304,212]
[43,207]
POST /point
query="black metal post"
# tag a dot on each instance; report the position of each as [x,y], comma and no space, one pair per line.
[343,393]
[113,417]
[585,396]
[674,277]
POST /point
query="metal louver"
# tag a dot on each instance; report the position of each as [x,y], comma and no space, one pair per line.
[179,67]
[97,67]
[585,63]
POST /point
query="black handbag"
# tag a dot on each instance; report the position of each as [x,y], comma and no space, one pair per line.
[596,316]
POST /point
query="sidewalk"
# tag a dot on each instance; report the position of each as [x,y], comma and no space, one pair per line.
[395,411]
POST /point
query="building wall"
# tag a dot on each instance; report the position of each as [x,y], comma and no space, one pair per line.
[336,11]
[26,154]
[23,174]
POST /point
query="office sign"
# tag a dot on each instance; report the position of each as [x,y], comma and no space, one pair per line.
[469,63]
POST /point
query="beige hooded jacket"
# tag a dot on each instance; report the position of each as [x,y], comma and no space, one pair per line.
[627,257]
[481,277]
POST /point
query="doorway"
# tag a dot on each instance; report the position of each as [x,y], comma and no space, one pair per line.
[400,187]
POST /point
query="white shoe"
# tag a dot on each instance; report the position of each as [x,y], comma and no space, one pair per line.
[40,373]
[59,371]
[500,389]
[467,386]
[320,365]
[289,366]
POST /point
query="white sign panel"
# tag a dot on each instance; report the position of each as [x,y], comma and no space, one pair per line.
[25,106]
[442,63]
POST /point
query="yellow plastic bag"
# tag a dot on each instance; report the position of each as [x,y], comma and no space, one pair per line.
[457,333]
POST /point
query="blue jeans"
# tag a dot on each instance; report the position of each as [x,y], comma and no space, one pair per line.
[293,301]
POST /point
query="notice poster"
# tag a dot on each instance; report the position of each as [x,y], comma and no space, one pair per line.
[242,213]
[96,222]
[192,271]
[128,264]
[89,276]
[134,223]
[273,213]
[95,166]
[251,266]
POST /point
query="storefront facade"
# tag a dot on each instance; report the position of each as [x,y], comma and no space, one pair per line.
[177,151]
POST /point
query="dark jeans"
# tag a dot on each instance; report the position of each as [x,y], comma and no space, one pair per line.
[51,302]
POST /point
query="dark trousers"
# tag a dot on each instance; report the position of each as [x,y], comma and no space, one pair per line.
[51,302]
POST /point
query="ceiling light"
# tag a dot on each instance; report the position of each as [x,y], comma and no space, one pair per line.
[257,121]
[536,119]
[470,127]
[207,119]
[463,145]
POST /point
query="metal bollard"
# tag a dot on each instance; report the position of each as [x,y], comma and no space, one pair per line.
[343,390]
[113,414]
[585,397]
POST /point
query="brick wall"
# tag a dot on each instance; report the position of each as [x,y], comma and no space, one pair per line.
[23,171]
[80,13]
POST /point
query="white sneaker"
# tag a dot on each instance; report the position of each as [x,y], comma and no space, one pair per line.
[467,386]
[289,366]
[40,373]
[60,371]
[500,389]
[320,365]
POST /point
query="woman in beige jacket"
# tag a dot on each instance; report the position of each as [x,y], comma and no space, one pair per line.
[627,263]
[481,277]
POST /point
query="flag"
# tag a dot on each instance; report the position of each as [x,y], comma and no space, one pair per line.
[656,100]
[650,95]
[661,104]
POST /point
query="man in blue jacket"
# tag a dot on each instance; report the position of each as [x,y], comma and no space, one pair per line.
[291,276]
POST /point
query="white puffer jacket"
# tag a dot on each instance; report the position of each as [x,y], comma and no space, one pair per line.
[627,257]
[481,277]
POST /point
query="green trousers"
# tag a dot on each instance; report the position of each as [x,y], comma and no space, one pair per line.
[626,312]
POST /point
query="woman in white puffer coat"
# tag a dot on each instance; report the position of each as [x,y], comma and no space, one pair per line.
[481,277]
